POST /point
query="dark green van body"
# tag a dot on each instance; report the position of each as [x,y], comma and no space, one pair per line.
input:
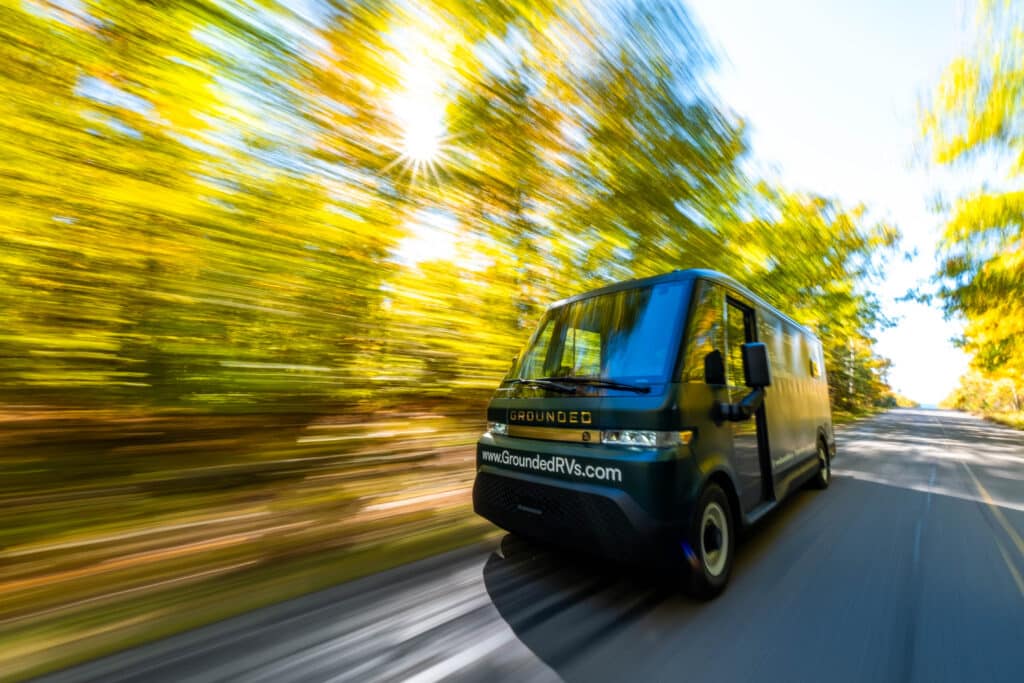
[558,466]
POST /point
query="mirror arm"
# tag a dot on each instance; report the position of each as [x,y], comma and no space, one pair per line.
[751,402]
[744,410]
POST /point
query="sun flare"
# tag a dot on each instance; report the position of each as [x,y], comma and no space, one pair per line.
[419,111]
[419,107]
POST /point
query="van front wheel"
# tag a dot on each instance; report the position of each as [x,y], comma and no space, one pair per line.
[712,540]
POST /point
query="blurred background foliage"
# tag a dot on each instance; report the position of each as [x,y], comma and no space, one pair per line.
[262,263]
[975,113]
[218,206]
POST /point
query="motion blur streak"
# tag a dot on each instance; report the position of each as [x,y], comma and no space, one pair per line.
[827,582]
[261,264]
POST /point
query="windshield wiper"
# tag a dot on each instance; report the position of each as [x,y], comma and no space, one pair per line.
[545,384]
[607,384]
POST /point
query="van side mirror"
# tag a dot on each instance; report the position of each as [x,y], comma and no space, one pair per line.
[714,368]
[755,365]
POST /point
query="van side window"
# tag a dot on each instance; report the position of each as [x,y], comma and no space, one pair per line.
[791,350]
[769,331]
[799,357]
[817,362]
[706,331]
[736,337]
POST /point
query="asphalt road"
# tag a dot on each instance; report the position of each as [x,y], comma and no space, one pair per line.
[909,568]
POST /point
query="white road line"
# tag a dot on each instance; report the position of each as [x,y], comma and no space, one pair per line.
[917,543]
[919,527]
[449,666]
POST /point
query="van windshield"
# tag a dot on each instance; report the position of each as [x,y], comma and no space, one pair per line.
[627,335]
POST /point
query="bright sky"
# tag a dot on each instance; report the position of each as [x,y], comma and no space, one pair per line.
[831,91]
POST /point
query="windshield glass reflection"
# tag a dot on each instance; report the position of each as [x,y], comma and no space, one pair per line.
[624,335]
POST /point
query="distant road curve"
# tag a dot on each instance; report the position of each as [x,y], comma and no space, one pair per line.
[909,568]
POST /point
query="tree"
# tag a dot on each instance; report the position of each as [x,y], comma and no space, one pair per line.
[208,202]
[975,114]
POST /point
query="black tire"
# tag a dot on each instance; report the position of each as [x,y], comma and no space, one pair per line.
[712,531]
[513,547]
[823,477]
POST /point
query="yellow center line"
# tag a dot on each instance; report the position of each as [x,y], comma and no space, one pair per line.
[1001,518]
[1010,531]
[1013,570]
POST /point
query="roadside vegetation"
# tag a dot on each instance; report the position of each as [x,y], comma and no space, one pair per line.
[999,400]
[975,116]
[262,263]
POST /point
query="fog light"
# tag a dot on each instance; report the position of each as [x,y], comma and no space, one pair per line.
[635,437]
[497,428]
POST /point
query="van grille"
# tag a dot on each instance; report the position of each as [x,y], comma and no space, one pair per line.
[556,515]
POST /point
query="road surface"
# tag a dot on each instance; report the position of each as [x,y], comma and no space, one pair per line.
[909,568]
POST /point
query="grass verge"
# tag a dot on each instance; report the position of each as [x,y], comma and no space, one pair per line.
[1015,420]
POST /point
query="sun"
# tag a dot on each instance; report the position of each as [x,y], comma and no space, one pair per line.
[418,104]
[419,112]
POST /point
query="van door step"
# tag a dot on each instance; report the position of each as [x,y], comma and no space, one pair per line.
[760,510]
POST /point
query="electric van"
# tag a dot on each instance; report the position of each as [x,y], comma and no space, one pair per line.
[650,420]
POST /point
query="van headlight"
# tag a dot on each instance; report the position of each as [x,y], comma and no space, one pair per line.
[499,428]
[647,439]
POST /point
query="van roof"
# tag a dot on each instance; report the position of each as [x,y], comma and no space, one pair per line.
[684,275]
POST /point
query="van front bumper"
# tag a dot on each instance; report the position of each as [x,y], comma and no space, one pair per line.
[589,518]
